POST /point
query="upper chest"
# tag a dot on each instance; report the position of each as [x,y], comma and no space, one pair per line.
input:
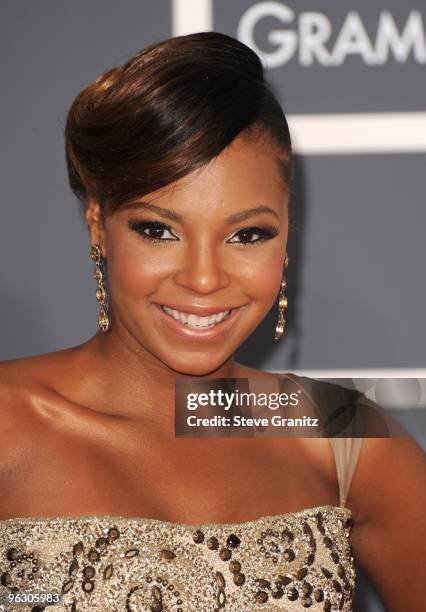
[73,461]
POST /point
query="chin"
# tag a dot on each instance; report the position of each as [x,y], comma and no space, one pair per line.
[196,364]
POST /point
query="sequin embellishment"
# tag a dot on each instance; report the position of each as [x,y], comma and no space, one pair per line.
[296,561]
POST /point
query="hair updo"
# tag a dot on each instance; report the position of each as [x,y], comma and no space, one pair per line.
[167,111]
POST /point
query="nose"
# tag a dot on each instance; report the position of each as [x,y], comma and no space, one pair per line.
[201,270]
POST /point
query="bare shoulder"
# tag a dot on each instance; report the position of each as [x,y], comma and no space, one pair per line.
[21,382]
[391,469]
[388,499]
[18,377]
[390,480]
[16,382]
[26,395]
[16,418]
[389,493]
[38,371]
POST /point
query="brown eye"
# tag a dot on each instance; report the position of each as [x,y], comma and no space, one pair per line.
[152,230]
[247,235]
[255,235]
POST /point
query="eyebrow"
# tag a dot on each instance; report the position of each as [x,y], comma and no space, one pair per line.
[174,216]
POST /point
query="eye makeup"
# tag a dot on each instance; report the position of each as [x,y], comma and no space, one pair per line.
[141,227]
[157,229]
[265,232]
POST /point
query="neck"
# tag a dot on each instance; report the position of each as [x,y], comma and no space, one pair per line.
[133,383]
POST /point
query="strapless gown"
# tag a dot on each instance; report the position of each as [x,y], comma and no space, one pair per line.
[293,561]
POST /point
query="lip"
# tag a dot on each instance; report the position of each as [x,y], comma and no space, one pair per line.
[201,311]
[209,334]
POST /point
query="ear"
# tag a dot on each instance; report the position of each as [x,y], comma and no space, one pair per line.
[95,224]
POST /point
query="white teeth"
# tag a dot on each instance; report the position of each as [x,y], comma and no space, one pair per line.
[195,321]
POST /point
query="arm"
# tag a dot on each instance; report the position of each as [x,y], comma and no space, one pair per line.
[388,495]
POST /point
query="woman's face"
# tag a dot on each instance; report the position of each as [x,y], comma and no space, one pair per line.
[215,240]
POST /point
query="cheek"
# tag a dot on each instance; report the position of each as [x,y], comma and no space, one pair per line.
[132,270]
[262,279]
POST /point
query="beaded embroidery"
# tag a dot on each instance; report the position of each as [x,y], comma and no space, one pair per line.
[295,561]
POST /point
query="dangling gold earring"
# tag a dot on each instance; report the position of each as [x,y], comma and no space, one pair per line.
[282,304]
[101,294]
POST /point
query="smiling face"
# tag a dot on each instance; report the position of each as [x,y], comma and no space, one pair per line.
[214,240]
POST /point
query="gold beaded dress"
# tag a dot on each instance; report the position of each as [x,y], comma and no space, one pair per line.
[293,561]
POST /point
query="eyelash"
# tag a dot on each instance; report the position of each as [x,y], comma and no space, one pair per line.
[267,232]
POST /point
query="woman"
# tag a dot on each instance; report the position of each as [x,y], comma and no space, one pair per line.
[183,160]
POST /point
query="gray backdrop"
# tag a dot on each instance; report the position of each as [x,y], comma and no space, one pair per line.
[356,286]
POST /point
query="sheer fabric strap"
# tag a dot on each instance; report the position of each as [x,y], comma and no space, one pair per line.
[346,453]
[330,399]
